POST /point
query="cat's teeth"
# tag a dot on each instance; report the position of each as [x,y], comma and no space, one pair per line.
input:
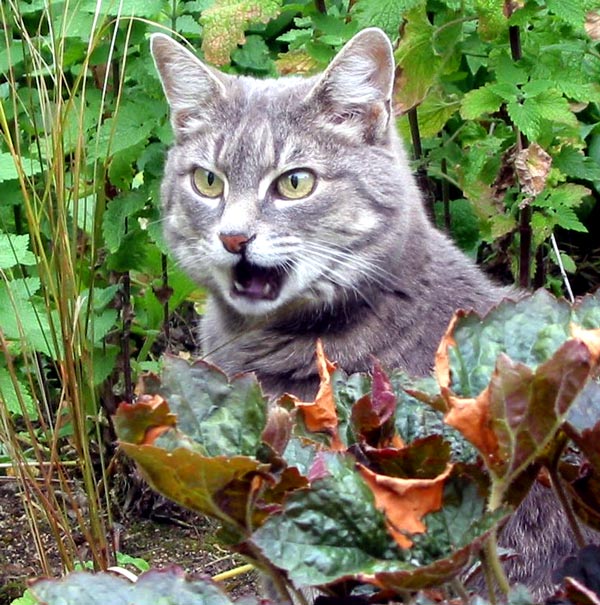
[267,289]
[237,286]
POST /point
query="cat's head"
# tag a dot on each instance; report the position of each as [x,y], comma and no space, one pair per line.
[280,192]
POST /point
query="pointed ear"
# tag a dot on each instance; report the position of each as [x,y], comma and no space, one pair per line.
[192,88]
[355,91]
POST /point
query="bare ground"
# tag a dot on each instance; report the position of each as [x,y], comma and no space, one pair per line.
[186,540]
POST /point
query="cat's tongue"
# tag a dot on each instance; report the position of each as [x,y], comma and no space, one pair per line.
[255,282]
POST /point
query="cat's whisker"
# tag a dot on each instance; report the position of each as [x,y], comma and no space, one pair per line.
[361,266]
[351,264]
[336,278]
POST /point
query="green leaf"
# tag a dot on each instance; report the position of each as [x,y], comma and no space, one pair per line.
[386,14]
[14,249]
[435,111]
[572,162]
[567,219]
[13,399]
[11,168]
[530,331]
[478,102]
[552,106]
[120,214]
[526,117]
[149,9]
[225,417]
[570,11]
[254,55]
[22,317]
[168,586]
[329,531]
[492,21]
[417,58]
[567,195]
[193,480]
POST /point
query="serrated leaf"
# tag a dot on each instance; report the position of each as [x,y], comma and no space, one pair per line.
[567,195]
[526,117]
[11,168]
[24,317]
[225,21]
[386,14]
[552,106]
[254,55]
[417,60]
[223,416]
[492,20]
[570,11]
[14,249]
[166,586]
[435,111]
[478,102]
[567,219]
[572,162]
[18,401]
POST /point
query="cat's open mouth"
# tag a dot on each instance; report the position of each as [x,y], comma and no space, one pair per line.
[257,283]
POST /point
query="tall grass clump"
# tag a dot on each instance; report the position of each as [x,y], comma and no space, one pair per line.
[61,86]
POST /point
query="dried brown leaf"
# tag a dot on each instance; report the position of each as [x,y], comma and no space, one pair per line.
[533,166]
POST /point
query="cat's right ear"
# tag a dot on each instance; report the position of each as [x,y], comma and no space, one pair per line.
[192,88]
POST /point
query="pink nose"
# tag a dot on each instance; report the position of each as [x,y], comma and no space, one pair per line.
[235,242]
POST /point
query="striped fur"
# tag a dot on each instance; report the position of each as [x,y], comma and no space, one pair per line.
[365,270]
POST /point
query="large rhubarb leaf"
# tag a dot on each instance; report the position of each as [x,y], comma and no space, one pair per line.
[225,416]
[335,532]
[167,586]
[529,331]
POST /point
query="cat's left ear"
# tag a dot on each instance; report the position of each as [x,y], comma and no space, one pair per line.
[355,92]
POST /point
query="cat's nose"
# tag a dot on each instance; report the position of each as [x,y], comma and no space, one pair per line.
[235,242]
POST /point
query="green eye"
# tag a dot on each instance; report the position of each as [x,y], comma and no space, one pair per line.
[207,183]
[295,184]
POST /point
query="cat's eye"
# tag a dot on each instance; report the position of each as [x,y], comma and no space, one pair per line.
[295,184]
[207,183]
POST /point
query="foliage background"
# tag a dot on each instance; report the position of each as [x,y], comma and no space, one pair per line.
[499,101]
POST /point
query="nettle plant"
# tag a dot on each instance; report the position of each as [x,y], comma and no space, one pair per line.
[384,483]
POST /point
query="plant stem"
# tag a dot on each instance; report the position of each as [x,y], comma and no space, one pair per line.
[564,501]
[491,555]
[490,546]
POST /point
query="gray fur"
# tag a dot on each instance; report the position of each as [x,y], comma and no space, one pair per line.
[366,271]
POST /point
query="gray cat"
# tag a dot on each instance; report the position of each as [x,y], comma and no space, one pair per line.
[292,201]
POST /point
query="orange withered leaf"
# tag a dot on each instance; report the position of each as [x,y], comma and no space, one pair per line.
[442,359]
[473,418]
[405,502]
[320,415]
[145,420]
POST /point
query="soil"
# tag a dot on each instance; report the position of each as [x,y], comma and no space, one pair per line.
[182,538]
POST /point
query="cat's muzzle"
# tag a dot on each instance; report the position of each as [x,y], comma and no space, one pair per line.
[256,282]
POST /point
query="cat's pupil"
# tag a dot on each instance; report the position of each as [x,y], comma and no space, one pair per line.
[294,181]
[210,178]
